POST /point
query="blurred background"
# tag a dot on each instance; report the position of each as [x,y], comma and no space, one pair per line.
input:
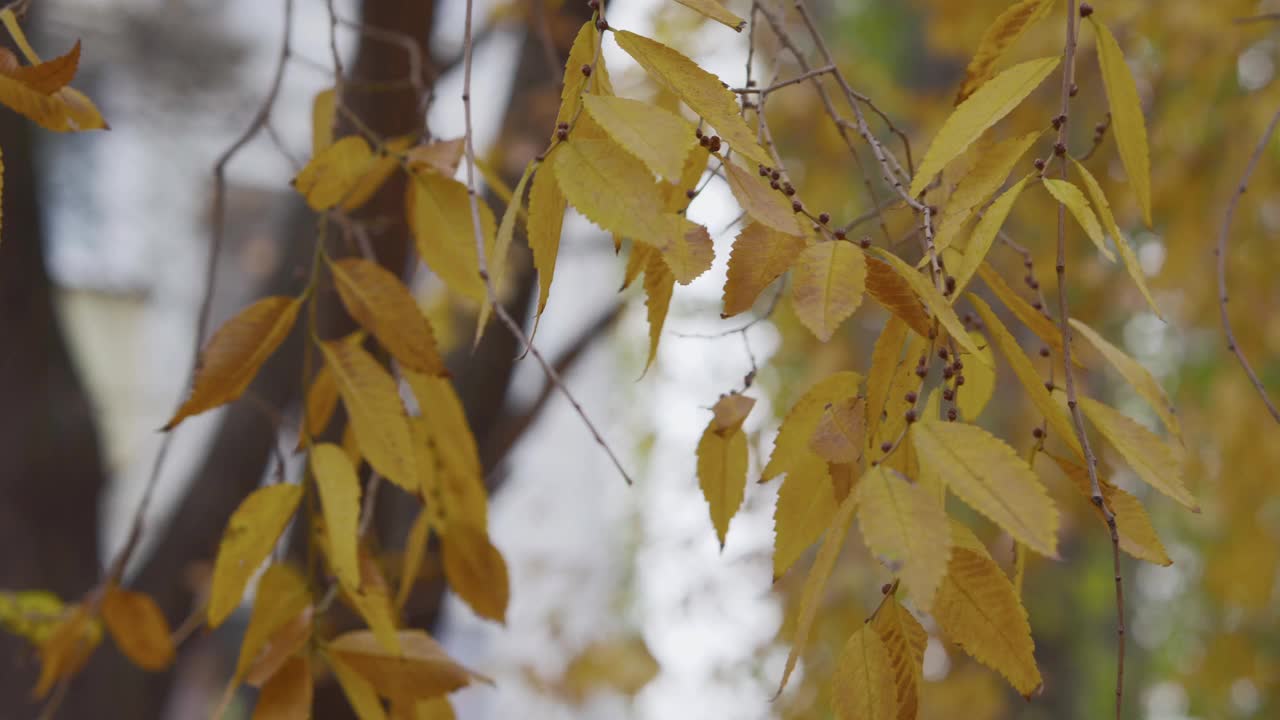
[623,603]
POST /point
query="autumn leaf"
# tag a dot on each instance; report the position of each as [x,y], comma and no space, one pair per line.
[331,175]
[462,490]
[760,255]
[656,136]
[906,529]
[281,599]
[250,535]
[884,364]
[828,280]
[863,684]
[895,294]
[624,665]
[904,642]
[981,182]
[1036,320]
[1138,377]
[806,504]
[1127,122]
[421,670]
[840,434]
[439,214]
[761,202]
[69,646]
[374,603]
[583,52]
[476,571]
[1075,201]
[984,108]
[714,10]
[791,446]
[546,218]
[323,109]
[381,303]
[439,156]
[985,232]
[138,627]
[933,299]
[319,406]
[1134,530]
[360,693]
[232,357]
[722,474]
[1131,263]
[980,381]
[1159,464]
[372,401]
[497,259]
[339,490]
[659,284]
[614,190]
[287,695]
[30,614]
[991,478]
[38,91]
[1003,32]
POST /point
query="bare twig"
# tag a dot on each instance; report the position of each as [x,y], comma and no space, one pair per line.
[1221,253]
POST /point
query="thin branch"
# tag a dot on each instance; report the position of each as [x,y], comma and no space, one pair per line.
[784,83]
[1264,17]
[1221,252]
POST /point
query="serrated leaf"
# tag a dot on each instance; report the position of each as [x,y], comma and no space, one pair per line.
[761,202]
[614,190]
[904,642]
[841,432]
[985,232]
[791,446]
[1135,532]
[977,608]
[978,185]
[722,474]
[760,255]
[658,137]
[863,684]
[381,303]
[339,490]
[235,352]
[989,477]
[715,11]
[1036,321]
[332,174]
[1159,464]
[658,286]
[64,110]
[439,214]
[546,219]
[1068,194]
[699,89]
[138,627]
[421,670]
[933,299]
[415,550]
[979,381]
[251,533]
[281,598]
[439,156]
[373,602]
[827,283]
[815,583]
[582,52]
[320,404]
[49,77]
[496,258]
[476,571]
[689,252]
[287,695]
[360,692]
[1031,381]
[377,416]
[1003,32]
[460,475]
[981,110]
[884,363]
[806,503]
[894,294]
[1131,263]
[907,529]
[1127,123]
[730,411]
[1138,377]
[10,20]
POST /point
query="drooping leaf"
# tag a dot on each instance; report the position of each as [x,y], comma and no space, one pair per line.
[984,108]
[730,411]
[699,89]
[439,214]
[231,358]
[381,303]
[460,475]
[760,255]
[828,281]
[415,550]
[980,381]
[68,647]
[377,416]
[65,110]
[385,160]
[933,299]
[624,665]
[319,406]
[894,294]
[991,478]
[51,76]
[761,202]
[791,446]
[658,286]
[1036,321]
[138,627]
[1131,263]
[1160,464]
[439,156]
[1068,194]
[907,529]
[496,258]
[689,252]
[287,695]
[716,11]
[282,598]
[30,614]
[251,533]
[1134,530]
[546,218]
[656,136]
[985,232]
[339,490]
[1147,387]
[863,684]
[359,691]
[1001,34]
[884,364]
[806,503]
[421,670]
[977,608]
[582,52]
[722,474]
[1127,122]
[614,190]
[374,603]
[10,21]
[1031,381]
[981,182]
[904,641]
[323,109]
[841,433]
[331,175]
[476,571]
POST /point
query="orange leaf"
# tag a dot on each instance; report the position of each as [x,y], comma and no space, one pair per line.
[138,627]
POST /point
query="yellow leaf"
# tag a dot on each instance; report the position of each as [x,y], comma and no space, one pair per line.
[1159,464]
[282,598]
[1127,122]
[791,446]
[66,110]
[138,628]
[863,685]
[321,402]
[1147,387]
[904,642]
[806,503]
[884,365]
[827,283]
[981,110]
[287,695]
[373,602]
[433,709]
[715,11]
[892,422]
[1135,532]
[761,202]
[461,477]
[689,251]
[360,692]
[231,358]
[907,529]
[985,232]
[722,474]
[731,411]
[1070,195]
[658,286]
[384,161]
[339,489]
[979,381]
[440,156]
[439,213]
[1031,381]
[815,583]
[283,644]
[10,20]
[49,77]
[323,109]
[977,608]
[841,432]
[421,670]
[251,533]
[332,174]
[68,647]
[614,190]
[624,665]
[546,217]
[991,478]
[658,137]
[1036,320]
[415,549]
[381,303]
[1131,263]
[980,183]
[1003,32]
[760,255]
[372,401]
[583,52]
[497,257]
[31,614]
[699,89]
[476,571]
[933,299]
